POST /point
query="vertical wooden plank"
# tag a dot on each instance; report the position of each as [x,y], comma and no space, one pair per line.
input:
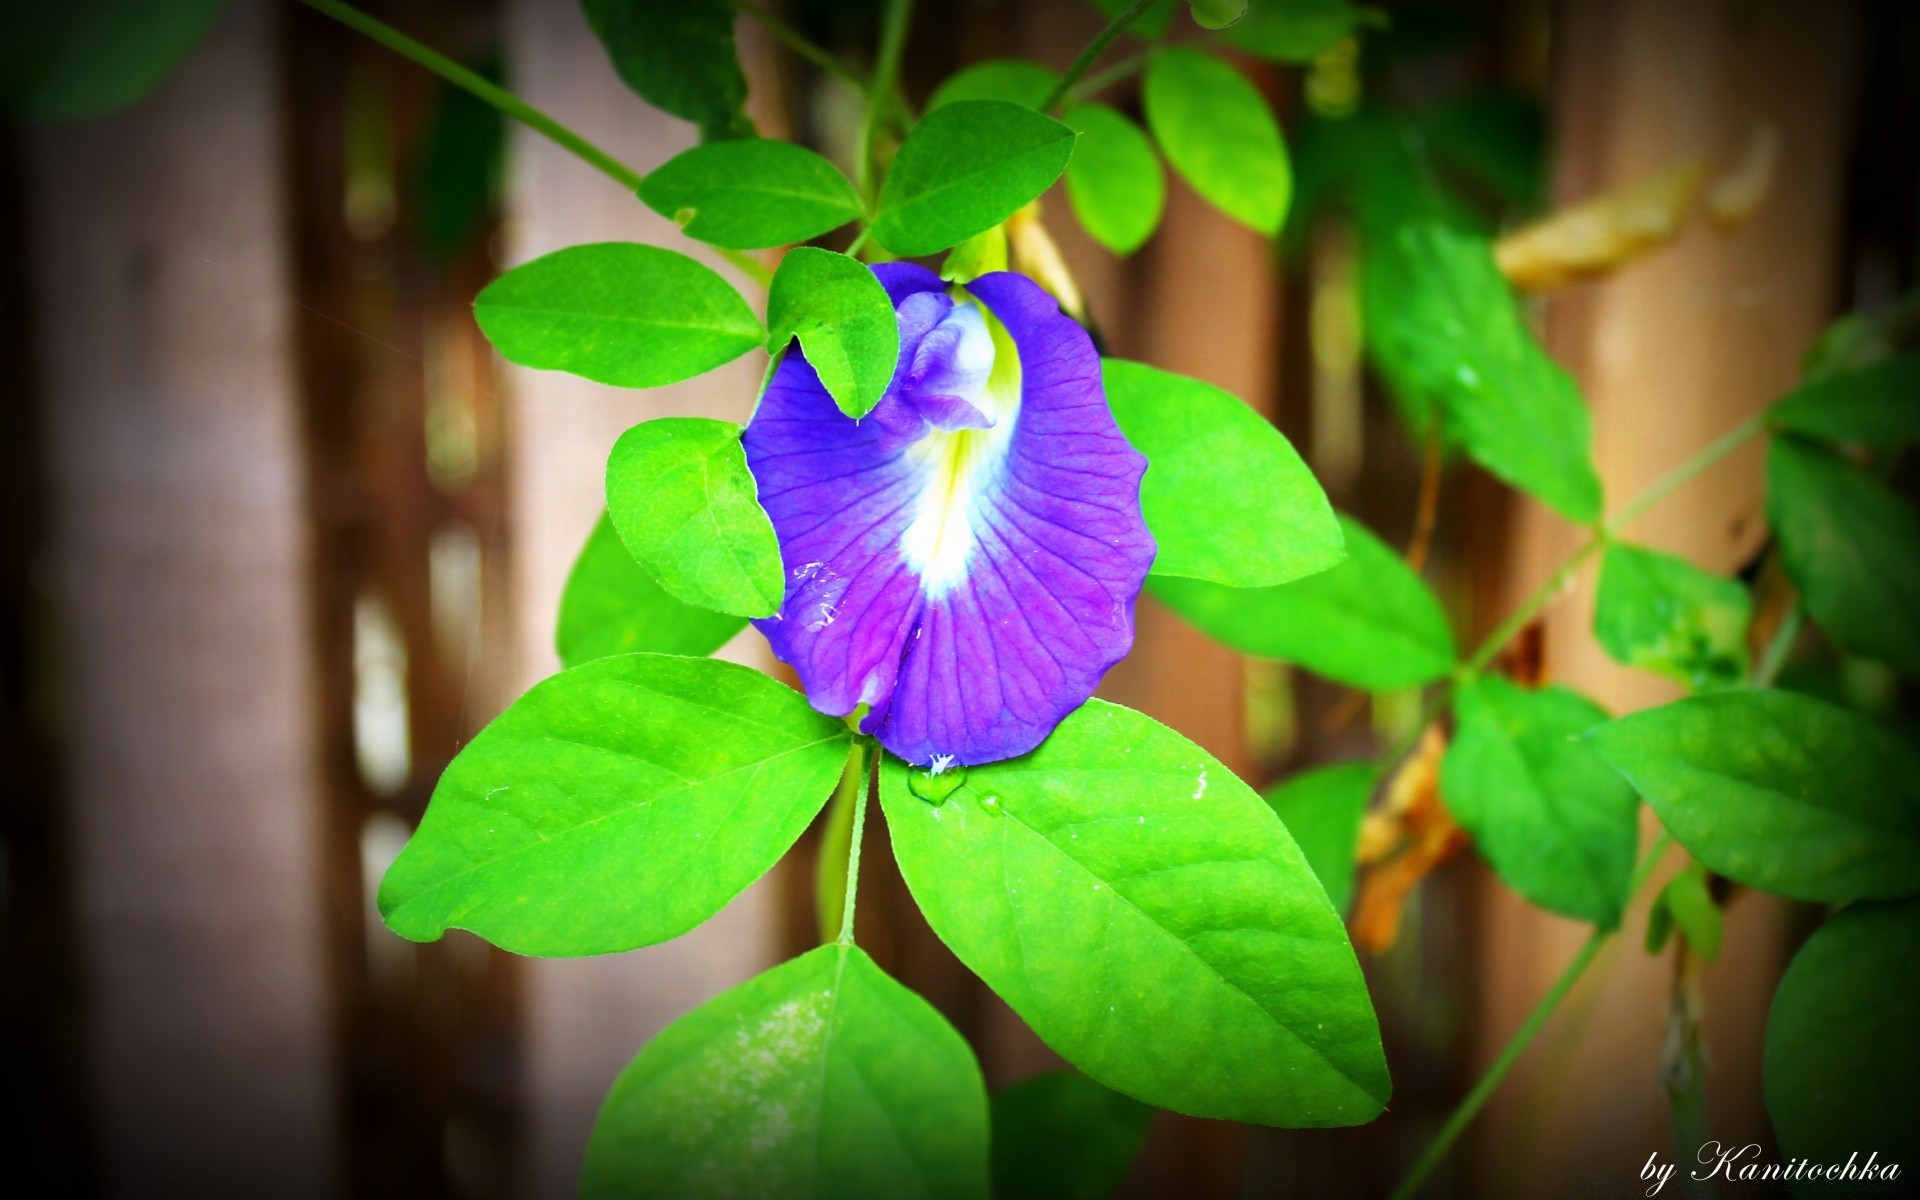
[179,557]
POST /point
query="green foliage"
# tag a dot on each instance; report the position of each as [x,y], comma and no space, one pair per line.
[617,804]
[748,193]
[679,57]
[1294,31]
[822,1078]
[966,166]
[1114,180]
[1011,79]
[844,321]
[1778,791]
[1666,615]
[1877,406]
[457,173]
[1217,14]
[1219,134]
[619,313]
[1064,1137]
[611,605]
[680,494]
[1843,1043]
[73,59]
[1149,917]
[1686,904]
[1555,824]
[1322,809]
[1852,547]
[1369,621]
[1226,495]
[1495,139]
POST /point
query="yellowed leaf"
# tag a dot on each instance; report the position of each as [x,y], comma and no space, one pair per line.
[1739,193]
[1402,842]
[1599,233]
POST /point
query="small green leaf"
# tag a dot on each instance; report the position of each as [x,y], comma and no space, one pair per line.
[1843,1046]
[611,605]
[1853,549]
[1011,79]
[75,59]
[1114,180]
[1295,31]
[1149,917]
[750,193]
[617,804]
[844,321]
[1217,14]
[1369,621]
[680,58]
[1779,792]
[457,174]
[1665,615]
[1226,495]
[681,496]
[1064,1137]
[822,1078]
[965,167]
[1322,809]
[1687,904]
[619,313]
[1876,406]
[1556,825]
[1219,134]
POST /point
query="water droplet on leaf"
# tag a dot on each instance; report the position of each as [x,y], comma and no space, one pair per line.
[990,804]
[935,786]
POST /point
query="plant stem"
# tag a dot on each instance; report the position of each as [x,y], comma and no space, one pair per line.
[830,863]
[798,42]
[1673,480]
[886,70]
[862,767]
[1100,81]
[1775,655]
[1094,50]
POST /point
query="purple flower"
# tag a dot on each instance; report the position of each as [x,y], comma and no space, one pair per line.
[964,560]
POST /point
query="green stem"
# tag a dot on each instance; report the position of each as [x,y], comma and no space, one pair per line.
[1094,50]
[1099,82]
[886,70]
[1775,655]
[1475,1100]
[1673,480]
[798,42]
[861,766]
[830,864]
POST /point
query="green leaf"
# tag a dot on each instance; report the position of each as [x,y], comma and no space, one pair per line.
[750,193]
[1496,138]
[1686,903]
[681,496]
[1295,31]
[1369,621]
[1322,809]
[1219,134]
[1114,180]
[611,605]
[1876,406]
[821,1078]
[1555,824]
[457,174]
[1853,549]
[679,57]
[75,59]
[1444,329]
[844,320]
[1665,615]
[619,313]
[1217,14]
[967,166]
[1149,917]
[1011,79]
[1779,792]
[1226,495]
[1843,1045]
[1064,1137]
[617,804]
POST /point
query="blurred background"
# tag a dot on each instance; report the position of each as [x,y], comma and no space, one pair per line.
[278,534]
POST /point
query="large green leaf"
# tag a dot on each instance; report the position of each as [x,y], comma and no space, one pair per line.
[1369,621]
[612,605]
[1322,809]
[1226,495]
[1294,31]
[617,804]
[1664,614]
[1843,1045]
[1877,406]
[1149,917]
[1011,79]
[1853,549]
[85,58]
[1445,331]
[844,321]
[1557,826]
[1114,182]
[822,1078]
[1064,1137]
[751,192]
[680,58]
[619,313]
[967,166]
[1219,134]
[681,496]
[1778,791]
